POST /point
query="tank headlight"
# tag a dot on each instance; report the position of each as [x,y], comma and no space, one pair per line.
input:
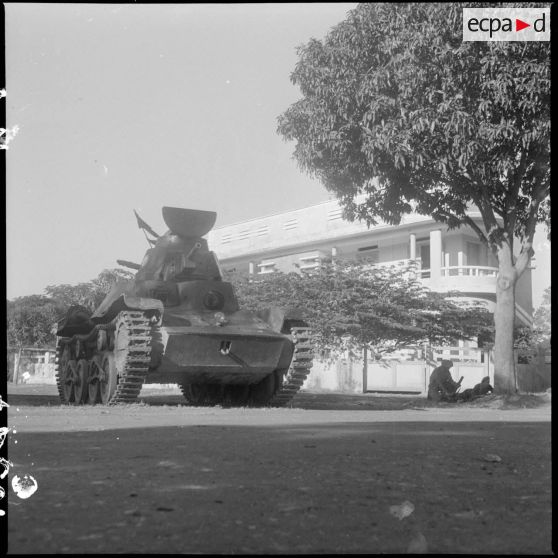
[214,300]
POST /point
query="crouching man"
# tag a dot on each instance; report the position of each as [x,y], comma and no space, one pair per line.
[483,388]
[442,387]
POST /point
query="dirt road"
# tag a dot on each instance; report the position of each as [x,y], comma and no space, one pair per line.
[335,474]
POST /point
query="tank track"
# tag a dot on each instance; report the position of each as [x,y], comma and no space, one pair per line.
[136,361]
[137,358]
[298,370]
[60,346]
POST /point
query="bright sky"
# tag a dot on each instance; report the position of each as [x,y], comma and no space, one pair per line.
[140,106]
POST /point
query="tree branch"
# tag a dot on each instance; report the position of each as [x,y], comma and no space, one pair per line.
[469,221]
[527,245]
[540,194]
[489,220]
[511,199]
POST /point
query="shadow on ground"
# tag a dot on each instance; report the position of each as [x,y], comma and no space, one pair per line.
[372,488]
[36,395]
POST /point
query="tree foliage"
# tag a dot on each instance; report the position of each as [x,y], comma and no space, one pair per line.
[350,305]
[542,324]
[89,294]
[399,114]
[31,319]
[396,106]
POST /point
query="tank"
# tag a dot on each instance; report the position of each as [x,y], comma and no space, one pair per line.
[177,321]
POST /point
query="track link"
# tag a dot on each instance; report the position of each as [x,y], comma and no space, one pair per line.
[60,346]
[135,357]
[299,368]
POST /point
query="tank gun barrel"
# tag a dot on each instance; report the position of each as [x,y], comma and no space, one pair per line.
[194,249]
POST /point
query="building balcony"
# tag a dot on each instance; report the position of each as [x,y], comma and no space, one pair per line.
[464,278]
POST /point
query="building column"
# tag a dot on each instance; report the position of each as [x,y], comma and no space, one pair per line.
[251,268]
[412,246]
[435,255]
[460,260]
[333,252]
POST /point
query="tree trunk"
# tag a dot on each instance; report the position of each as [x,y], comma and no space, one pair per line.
[504,319]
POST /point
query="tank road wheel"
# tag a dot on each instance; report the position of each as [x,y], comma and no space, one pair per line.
[107,378]
[69,379]
[81,383]
[102,340]
[94,383]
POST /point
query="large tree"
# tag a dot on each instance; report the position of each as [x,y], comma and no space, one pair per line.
[91,293]
[398,108]
[349,306]
[31,319]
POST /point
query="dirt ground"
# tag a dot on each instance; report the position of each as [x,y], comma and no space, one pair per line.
[332,474]
[157,395]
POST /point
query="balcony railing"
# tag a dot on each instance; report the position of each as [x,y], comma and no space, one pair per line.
[466,270]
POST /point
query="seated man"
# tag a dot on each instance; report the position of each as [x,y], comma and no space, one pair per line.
[479,390]
[483,388]
[442,387]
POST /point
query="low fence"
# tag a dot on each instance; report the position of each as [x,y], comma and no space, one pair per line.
[404,371]
[408,371]
[31,365]
[533,369]
[342,375]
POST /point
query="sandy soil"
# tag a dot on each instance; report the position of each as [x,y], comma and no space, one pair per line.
[36,408]
[332,474]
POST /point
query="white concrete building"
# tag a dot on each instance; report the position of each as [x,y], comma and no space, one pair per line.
[448,259]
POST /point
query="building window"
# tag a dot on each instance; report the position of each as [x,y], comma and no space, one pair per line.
[262,231]
[243,235]
[473,253]
[266,267]
[423,253]
[309,262]
[425,256]
[369,254]
[290,224]
[226,238]
[334,214]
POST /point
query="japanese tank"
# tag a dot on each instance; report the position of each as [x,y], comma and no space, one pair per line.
[178,321]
